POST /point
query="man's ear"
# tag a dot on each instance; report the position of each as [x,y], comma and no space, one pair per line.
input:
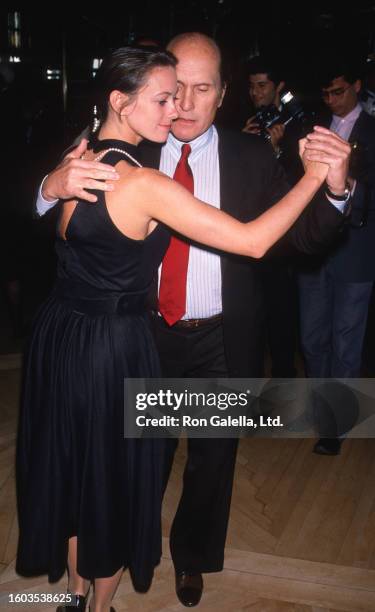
[280,86]
[357,85]
[222,94]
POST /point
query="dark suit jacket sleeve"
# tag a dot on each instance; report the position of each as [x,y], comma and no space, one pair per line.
[316,227]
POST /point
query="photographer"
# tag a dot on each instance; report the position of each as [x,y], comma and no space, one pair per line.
[279,118]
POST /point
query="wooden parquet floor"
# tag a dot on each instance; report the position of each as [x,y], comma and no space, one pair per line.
[301,535]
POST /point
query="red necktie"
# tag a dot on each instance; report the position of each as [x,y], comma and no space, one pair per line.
[172,291]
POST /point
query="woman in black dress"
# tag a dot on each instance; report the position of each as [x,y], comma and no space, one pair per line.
[86,495]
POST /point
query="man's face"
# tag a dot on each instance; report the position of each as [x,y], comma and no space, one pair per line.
[341,97]
[263,92]
[199,89]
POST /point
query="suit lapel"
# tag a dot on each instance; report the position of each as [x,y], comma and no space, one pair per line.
[230,189]
[228,167]
[358,128]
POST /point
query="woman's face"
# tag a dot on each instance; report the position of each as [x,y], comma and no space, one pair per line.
[152,111]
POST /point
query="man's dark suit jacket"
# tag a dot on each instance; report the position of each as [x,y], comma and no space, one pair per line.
[353,254]
[251,180]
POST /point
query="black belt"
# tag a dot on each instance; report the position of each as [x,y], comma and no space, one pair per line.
[192,323]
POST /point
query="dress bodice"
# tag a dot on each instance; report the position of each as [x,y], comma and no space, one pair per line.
[96,253]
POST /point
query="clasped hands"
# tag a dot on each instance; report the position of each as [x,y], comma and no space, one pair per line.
[327,154]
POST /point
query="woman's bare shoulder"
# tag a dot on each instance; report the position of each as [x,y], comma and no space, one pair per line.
[137,185]
[139,177]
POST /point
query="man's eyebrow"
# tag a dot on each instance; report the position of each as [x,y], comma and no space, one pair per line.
[196,84]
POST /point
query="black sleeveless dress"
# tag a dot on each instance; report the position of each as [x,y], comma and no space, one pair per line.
[76,474]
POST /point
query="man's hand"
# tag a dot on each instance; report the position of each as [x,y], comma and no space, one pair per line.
[74,175]
[251,127]
[322,145]
[276,133]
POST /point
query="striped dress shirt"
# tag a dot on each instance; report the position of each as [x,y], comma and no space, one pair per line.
[203,292]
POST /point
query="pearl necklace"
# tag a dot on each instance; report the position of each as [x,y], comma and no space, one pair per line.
[103,153]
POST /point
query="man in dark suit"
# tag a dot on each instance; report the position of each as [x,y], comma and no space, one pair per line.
[220,332]
[335,290]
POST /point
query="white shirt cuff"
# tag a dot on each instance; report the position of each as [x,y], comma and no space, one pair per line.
[343,206]
[42,205]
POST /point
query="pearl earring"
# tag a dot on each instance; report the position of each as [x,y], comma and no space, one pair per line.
[96,122]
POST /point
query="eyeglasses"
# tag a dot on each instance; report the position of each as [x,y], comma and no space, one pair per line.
[335,93]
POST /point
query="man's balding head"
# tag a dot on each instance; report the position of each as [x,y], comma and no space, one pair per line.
[190,41]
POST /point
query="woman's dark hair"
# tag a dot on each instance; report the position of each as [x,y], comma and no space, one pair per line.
[126,69]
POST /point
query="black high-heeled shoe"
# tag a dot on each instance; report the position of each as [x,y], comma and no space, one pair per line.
[78,603]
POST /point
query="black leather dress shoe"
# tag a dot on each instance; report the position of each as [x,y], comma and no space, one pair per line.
[189,588]
[328,446]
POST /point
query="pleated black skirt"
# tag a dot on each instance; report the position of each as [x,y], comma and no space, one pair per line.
[76,473]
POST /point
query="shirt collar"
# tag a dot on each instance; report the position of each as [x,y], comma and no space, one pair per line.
[350,117]
[197,145]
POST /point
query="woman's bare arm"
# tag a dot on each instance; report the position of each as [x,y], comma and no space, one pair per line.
[165,200]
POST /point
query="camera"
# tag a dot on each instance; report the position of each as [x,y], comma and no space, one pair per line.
[291,109]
